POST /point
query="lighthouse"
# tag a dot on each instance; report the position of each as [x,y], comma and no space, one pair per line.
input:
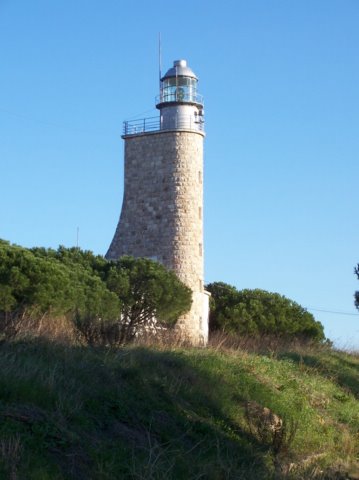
[162,209]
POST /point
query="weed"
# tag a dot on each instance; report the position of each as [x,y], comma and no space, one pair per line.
[10,454]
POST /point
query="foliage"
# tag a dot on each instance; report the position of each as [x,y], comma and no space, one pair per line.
[95,264]
[28,282]
[109,302]
[97,312]
[35,283]
[356,294]
[150,294]
[31,286]
[259,312]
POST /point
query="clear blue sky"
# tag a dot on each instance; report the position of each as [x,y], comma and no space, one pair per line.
[281,86]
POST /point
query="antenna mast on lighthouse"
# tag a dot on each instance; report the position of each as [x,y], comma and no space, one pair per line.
[159,57]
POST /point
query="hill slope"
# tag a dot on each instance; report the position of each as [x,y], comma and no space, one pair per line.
[150,413]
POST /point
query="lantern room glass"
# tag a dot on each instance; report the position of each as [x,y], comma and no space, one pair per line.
[179,89]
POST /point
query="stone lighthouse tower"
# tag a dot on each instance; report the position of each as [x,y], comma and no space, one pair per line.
[162,209]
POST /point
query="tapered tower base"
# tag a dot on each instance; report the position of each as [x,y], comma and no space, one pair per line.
[162,213]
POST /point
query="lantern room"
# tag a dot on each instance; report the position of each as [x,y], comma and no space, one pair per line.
[181,107]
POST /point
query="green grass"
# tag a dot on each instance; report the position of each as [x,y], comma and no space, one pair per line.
[71,412]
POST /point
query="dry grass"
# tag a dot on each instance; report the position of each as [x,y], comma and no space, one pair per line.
[10,454]
[262,344]
[61,329]
[58,329]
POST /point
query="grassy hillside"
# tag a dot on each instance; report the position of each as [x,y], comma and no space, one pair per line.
[70,412]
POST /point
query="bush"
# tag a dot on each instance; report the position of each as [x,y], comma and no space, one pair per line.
[30,286]
[356,294]
[108,302]
[258,312]
[151,295]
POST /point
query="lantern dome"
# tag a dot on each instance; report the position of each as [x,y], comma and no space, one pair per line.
[179,86]
[179,69]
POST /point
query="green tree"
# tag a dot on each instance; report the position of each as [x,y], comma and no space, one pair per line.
[96,312]
[33,284]
[151,295]
[36,282]
[109,302]
[95,264]
[356,294]
[257,312]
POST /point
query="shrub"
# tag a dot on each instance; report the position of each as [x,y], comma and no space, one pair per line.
[31,286]
[356,294]
[108,302]
[151,295]
[34,283]
[259,312]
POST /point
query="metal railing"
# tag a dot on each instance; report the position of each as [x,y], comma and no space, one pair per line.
[150,124]
[153,124]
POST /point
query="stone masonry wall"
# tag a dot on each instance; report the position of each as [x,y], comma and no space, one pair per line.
[162,212]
